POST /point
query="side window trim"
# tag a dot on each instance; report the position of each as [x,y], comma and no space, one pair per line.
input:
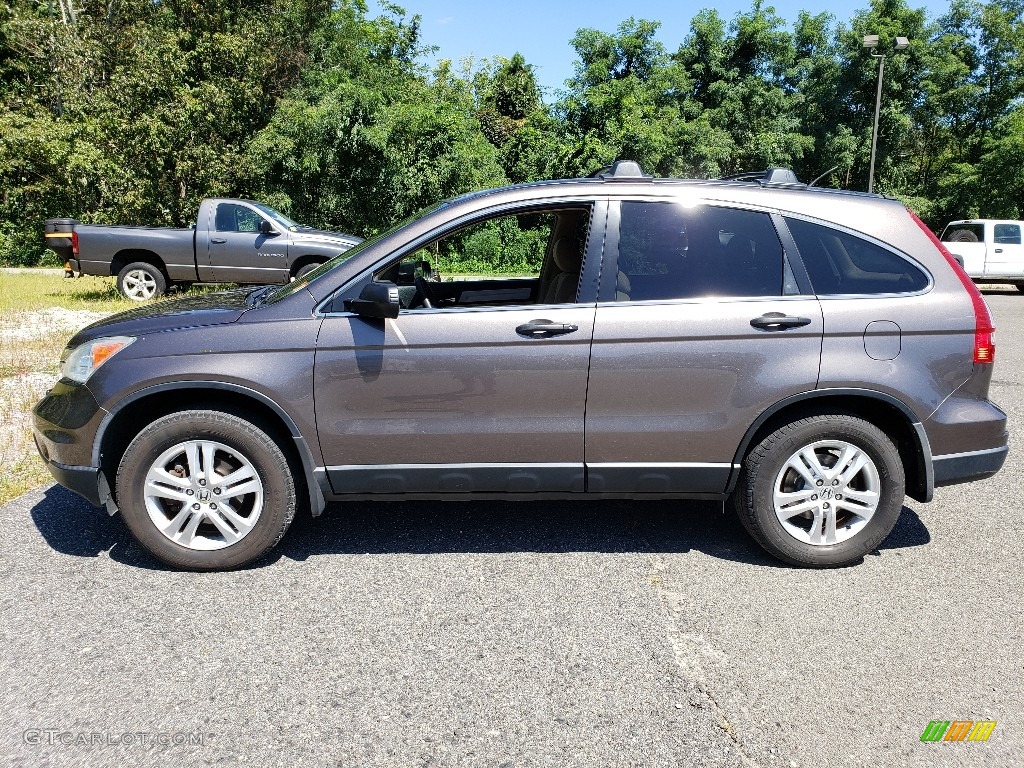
[586,290]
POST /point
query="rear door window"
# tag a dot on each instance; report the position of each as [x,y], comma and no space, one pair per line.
[840,263]
[669,251]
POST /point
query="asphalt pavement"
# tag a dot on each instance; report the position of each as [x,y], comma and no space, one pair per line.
[539,634]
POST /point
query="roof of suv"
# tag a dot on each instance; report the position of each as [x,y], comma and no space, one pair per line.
[772,178]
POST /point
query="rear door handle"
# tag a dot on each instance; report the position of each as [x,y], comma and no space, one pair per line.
[217,240]
[776,321]
[538,329]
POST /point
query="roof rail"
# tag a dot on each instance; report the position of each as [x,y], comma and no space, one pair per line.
[781,176]
[624,170]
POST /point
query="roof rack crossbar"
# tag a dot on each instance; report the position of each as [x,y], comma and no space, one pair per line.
[767,176]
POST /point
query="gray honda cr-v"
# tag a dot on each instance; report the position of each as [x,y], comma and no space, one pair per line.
[814,355]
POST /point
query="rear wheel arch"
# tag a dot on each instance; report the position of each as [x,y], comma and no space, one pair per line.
[884,411]
[142,408]
[123,258]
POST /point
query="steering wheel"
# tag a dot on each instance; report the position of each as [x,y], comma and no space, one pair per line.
[430,298]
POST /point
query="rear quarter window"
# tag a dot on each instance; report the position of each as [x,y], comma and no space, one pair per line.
[839,263]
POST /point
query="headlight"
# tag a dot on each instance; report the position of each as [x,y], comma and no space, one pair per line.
[83,360]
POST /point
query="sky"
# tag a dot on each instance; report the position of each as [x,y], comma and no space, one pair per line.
[541,29]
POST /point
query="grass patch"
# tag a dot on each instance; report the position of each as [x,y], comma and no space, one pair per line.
[29,290]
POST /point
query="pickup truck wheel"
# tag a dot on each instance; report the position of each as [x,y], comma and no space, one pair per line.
[205,490]
[822,491]
[141,281]
[306,269]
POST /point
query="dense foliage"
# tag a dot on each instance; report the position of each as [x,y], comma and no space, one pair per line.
[132,111]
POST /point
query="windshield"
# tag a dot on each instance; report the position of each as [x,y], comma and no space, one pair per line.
[328,266]
[280,218]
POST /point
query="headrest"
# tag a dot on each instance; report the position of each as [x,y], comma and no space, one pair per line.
[566,255]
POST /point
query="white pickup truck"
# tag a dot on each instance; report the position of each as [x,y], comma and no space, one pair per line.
[989,250]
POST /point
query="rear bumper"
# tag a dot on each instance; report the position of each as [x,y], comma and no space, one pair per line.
[966,467]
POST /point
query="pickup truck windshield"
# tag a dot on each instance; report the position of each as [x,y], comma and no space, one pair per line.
[280,218]
[297,285]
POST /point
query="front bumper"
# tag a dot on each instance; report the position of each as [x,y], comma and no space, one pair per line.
[85,481]
[64,425]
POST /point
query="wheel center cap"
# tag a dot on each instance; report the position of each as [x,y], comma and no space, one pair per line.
[203,495]
[826,494]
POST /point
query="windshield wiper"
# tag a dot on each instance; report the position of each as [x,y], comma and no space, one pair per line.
[256,297]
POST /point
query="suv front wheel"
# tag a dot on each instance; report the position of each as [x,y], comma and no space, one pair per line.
[205,490]
[822,491]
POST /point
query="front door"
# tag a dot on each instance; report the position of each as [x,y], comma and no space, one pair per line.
[239,253]
[480,384]
[1005,255]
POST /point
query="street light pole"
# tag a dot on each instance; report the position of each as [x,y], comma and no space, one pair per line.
[871,41]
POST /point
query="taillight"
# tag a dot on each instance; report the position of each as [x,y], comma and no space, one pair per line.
[74,243]
[984,347]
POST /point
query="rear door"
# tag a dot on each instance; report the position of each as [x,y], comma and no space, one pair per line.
[239,253]
[701,326]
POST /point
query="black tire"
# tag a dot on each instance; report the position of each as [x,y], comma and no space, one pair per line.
[1020,286]
[963,236]
[305,269]
[182,287]
[140,281]
[240,441]
[765,464]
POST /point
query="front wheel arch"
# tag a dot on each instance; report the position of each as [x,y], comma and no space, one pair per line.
[120,426]
[305,264]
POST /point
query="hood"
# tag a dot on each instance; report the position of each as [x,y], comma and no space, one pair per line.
[324,236]
[189,311]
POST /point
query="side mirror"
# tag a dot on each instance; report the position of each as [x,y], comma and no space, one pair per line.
[378,300]
[266,228]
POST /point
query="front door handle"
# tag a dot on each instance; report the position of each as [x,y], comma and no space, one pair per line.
[539,329]
[999,250]
[776,321]
[217,240]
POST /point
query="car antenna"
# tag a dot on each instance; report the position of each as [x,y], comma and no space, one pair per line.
[826,173]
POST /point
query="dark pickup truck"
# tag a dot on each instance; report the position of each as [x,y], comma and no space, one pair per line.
[233,241]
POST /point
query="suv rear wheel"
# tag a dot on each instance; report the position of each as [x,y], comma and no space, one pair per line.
[205,490]
[822,491]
